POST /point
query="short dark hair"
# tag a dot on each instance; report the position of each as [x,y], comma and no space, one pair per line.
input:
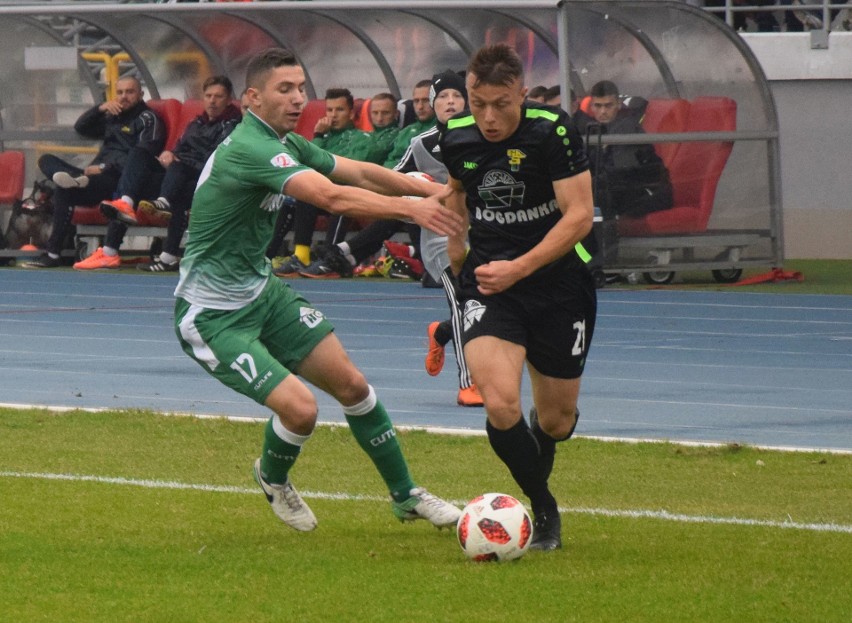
[222,81]
[537,91]
[333,94]
[385,96]
[604,88]
[423,83]
[496,65]
[262,63]
[554,91]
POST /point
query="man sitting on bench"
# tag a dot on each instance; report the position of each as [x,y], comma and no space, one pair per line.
[171,178]
[629,180]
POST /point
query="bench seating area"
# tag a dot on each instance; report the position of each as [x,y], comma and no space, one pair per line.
[695,168]
[176,116]
[91,224]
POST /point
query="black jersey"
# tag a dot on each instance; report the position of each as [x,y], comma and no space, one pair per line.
[509,184]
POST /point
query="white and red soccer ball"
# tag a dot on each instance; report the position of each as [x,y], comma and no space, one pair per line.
[494,527]
[420,176]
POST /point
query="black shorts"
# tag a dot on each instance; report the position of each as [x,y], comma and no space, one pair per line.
[553,319]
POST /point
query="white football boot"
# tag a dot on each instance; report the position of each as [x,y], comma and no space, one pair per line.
[286,503]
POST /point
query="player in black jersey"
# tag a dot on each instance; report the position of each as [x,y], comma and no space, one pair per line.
[519,176]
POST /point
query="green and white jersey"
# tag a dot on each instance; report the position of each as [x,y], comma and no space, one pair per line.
[234,210]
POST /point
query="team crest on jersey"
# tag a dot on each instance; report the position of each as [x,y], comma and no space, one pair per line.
[516,157]
[473,312]
[310,317]
[499,190]
[282,161]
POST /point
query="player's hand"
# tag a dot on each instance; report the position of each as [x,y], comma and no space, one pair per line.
[431,214]
[112,107]
[497,276]
[323,125]
[92,169]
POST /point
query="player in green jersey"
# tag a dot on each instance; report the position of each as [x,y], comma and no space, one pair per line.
[253,332]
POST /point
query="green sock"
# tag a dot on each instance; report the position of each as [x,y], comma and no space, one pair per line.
[374,432]
[281,448]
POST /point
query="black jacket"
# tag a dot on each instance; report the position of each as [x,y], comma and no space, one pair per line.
[203,135]
[136,127]
[629,180]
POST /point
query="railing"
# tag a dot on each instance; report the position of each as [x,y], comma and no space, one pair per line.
[804,15]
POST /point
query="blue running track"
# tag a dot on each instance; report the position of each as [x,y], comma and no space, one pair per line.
[763,369]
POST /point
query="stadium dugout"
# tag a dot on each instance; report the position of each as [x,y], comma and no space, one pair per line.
[710,115]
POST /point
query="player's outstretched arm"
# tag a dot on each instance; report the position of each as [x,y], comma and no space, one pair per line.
[314,188]
[457,244]
[381,180]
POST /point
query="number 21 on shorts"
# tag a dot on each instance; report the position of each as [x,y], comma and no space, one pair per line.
[580,341]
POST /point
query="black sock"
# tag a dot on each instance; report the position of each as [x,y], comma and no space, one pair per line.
[444,332]
[547,444]
[518,449]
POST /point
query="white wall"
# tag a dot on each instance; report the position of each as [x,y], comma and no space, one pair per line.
[813,94]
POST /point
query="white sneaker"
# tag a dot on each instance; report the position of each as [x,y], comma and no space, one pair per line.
[424,505]
[65,180]
[286,503]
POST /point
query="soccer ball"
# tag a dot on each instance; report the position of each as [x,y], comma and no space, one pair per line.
[421,176]
[494,526]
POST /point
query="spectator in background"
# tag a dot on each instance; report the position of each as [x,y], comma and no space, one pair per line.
[629,180]
[384,116]
[122,123]
[553,96]
[171,178]
[764,20]
[341,258]
[536,94]
[424,120]
[337,134]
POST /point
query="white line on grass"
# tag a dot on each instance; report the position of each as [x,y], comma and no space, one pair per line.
[447,430]
[600,512]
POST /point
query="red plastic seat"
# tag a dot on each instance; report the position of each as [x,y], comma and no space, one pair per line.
[664,116]
[188,112]
[695,173]
[169,111]
[362,115]
[11,177]
[313,111]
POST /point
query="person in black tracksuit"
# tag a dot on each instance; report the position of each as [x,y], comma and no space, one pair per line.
[519,176]
[447,97]
[630,180]
[122,123]
[164,185]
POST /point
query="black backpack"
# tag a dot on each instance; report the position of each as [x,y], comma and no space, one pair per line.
[31,219]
